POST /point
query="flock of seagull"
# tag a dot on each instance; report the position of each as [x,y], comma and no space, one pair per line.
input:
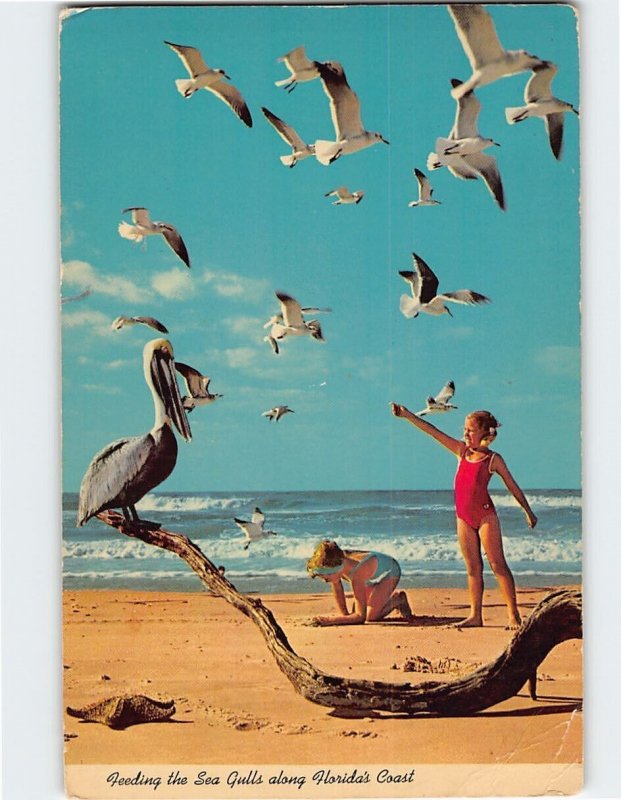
[124,471]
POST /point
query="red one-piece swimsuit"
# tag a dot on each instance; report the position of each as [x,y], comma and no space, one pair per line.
[472,500]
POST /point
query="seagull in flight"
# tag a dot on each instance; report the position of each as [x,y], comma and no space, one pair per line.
[202,77]
[344,196]
[471,165]
[253,530]
[302,69]
[351,135]
[143,226]
[441,402]
[488,59]
[540,102]
[197,386]
[425,297]
[277,412]
[85,293]
[121,322]
[424,191]
[290,322]
[299,148]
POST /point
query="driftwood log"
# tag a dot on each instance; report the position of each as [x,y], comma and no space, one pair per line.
[557,618]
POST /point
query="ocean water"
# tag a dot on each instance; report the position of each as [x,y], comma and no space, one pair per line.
[416,527]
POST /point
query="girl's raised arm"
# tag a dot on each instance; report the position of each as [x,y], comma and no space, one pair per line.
[454,445]
[501,469]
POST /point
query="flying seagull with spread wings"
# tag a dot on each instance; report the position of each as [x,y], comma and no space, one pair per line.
[351,134]
[290,322]
[197,386]
[143,226]
[277,412]
[425,191]
[203,77]
[253,529]
[488,59]
[473,165]
[540,102]
[302,69]
[441,402]
[344,196]
[299,149]
[424,286]
[121,322]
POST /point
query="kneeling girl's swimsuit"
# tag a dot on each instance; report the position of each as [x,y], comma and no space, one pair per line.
[472,501]
[386,567]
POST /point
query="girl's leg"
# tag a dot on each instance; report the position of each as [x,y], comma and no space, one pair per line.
[382,599]
[471,551]
[491,539]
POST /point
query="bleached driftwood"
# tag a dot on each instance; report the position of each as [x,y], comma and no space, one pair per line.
[558,617]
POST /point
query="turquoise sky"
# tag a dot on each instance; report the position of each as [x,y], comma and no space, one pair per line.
[252,226]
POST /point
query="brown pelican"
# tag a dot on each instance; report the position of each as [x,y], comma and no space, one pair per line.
[123,472]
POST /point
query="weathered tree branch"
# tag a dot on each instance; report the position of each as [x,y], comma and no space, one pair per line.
[557,618]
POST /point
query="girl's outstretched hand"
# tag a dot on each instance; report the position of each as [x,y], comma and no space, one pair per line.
[531,519]
[397,410]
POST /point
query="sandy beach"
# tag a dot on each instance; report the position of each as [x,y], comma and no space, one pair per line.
[234,705]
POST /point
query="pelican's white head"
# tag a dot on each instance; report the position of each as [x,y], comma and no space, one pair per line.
[159,372]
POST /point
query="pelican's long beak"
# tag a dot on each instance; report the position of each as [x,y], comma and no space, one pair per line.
[165,383]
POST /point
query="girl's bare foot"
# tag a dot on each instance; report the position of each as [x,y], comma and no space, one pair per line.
[514,624]
[470,622]
[404,607]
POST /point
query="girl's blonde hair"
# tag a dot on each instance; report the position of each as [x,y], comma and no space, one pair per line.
[326,554]
[486,422]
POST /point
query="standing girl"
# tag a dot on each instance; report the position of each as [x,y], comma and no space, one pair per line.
[477,521]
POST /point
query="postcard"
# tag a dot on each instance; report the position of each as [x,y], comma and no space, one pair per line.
[321,400]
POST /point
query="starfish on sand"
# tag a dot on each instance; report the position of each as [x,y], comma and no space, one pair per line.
[125,710]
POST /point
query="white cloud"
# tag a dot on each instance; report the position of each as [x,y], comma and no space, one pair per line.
[228,284]
[118,363]
[101,389]
[369,368]
[240,357]
[95,320]
[559,360]
[175,284]
[81,273]
[456,332]
[245,326]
